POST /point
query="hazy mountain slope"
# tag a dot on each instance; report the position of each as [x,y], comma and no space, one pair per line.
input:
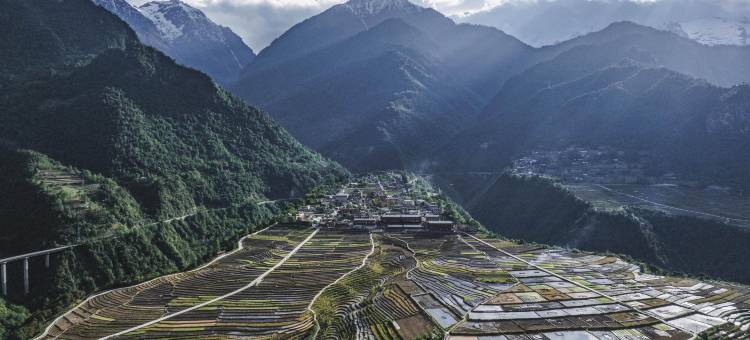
[618,88]
[405,100]
[720,65]
[463,67]
[482,58]
[382,78]
[474,50]
[187,35]
[628,105]
[341,22]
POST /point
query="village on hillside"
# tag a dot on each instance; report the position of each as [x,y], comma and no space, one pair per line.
[381,202]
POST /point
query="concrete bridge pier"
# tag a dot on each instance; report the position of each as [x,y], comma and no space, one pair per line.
[25,275]
[25,257]
[4,278]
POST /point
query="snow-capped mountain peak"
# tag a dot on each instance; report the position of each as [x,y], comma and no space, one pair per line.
[168,30]
[172,17]
[115,5]
[185,34]
[373,7]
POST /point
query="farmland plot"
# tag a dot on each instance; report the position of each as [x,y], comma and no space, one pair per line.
[124,308]
[337,285]
[453,278]
[278,305]
[568,294]
[368,304]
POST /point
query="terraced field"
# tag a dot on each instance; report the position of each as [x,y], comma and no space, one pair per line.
[368,304]
[279,305]
[70,185]
[586,296]
[478,288]
[121,309]
[310,283]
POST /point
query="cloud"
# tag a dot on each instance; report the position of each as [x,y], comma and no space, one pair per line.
[456,7]
[259,22]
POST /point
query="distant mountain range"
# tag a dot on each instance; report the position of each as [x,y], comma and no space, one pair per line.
[187,35]
[387,84]
[618,88]
[547,22]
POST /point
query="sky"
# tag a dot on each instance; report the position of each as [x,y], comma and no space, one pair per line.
[258,22]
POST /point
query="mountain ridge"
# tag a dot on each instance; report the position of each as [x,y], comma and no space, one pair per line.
[413,93]
[545,22]
[187,35]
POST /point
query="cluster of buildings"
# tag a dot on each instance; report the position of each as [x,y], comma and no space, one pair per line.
[582,165]
[378,202]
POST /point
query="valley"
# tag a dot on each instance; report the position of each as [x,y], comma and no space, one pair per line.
[333,277]
[379,171]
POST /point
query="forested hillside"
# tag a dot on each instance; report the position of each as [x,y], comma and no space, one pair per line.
[103,137]
[165,132]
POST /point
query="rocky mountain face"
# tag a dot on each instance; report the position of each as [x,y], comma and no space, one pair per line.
[187,35]
[381,78]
